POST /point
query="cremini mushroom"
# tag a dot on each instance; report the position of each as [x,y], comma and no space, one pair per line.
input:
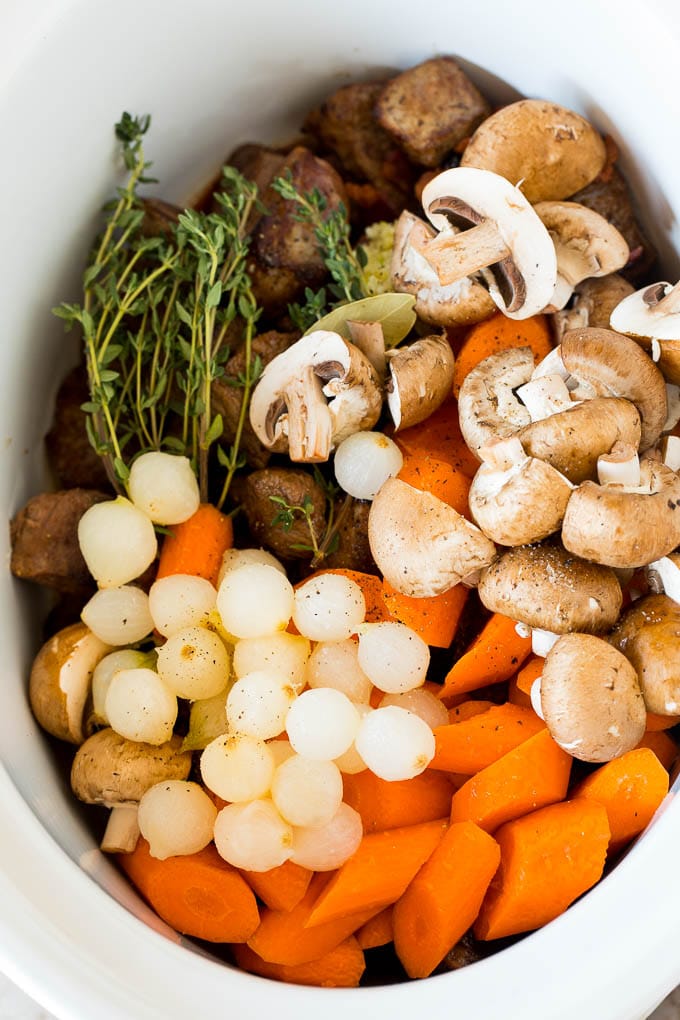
[486,225]
[420,544]
[370,340]
[648,634]
[61,680]
[663,576]
[592,304]
[420,379]
[544,586]
[115,772]
[516,499]
[461,303]
[610,364]
[652,317]
[622,526]
[314,395]
[591,698]
[488,408]
[548,150]
[586,245]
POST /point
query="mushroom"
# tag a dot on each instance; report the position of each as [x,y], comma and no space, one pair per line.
[421,378]
[663,576]
[648,635]
[458,304]
[516,499]
[61,680]
[612,365]
[487,225]
[488,408]
[420,544]
[314,395]
[543,586]
[115,772]
[651,316]
[592,304]
[586,245]
[551,151]
[591,699]
[623,526]
[368,336]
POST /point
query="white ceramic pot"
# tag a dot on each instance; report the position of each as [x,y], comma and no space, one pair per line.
[214,73]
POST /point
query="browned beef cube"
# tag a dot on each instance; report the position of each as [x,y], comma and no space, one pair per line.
[353,551]
[294,486]
[69,451]
[44,536]
[430,108]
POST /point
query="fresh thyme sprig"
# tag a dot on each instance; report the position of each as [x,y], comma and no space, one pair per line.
[288,513]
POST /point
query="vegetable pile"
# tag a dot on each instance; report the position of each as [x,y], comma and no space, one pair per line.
[370,599]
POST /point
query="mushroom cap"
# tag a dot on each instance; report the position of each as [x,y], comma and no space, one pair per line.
[613,365]
[642,316]
[108,769]
[421,545]
[593,303]
[591,699]
[545,586]
[551,150]
[618,527]
[586,245]
[521,504]
[521,283]
[461,303]
[420,379]
[487,406]
[648,634]
[61,680]
[572,440]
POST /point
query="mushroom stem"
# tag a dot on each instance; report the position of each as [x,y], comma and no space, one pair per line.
[657,298]
[621,466]
[309,425]
[122,830]
[503,454]
[545,395]
[670,452]
[663,576]
[370,339]
[457,255]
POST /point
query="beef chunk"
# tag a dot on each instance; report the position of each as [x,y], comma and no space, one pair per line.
[465,952]
[295,486]
[353,551]
[226,397]
[69,453]
[258,163]
[44,538]
[346,125]
[430,108]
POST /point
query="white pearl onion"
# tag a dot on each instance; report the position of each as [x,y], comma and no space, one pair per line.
[117,540]
[140,707]
[118,616]
[395,744]
[179,601]
[164,487]
[422,703]
[253,836]
[176,818]
[237,767]
[327,847]
[364,461]
[329,607]
[336,664]
[393,657]
[322,723]
[255,600]
[194,663]
[235,558]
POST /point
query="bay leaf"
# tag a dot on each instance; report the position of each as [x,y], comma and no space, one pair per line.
[393,311]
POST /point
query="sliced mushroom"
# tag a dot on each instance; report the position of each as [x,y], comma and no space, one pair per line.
[592,304]
[420,544]
[314,395]
[648,634]
[487,225]
[115,772]
[591,699]
[551,151]
[516,499]
[544,586]
[488,408]
[613,365]
[586,245]
[61,681]
[421,378]
[649,315]
[622,527]
[459,304]
[370,339]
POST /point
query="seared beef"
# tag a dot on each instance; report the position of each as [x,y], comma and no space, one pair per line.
[353,551]
[294,486]
[69,451]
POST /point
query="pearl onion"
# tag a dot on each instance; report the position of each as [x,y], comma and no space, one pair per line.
[164,487]
[395,744]
[194,663]
[329,607]
[179,601]
[322,723]
[237,767]
[327,847]
[422,703]
[140,707]
[176,818]
[118,616]
[117,541]
[307,792]
[364,461]
[258,704]
[255,600]
[393,657]
[253,836]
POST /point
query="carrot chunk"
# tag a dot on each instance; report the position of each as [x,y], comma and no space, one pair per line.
[280,888]
[390,805]
[435,619]
[468,709]
[548,859]
[534,774]
[379,931]
[444,898]
[498,334]
[427,473]
[341,967]
[199,895]
[529,673]
[661,722]
[495,655]
[474,744]
[197,545]
[663,746]
[440,436]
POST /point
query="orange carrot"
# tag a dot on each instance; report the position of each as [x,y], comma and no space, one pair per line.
[469,709]
[474,744]
[371,586]
[660,722]
[663,746]
[378,931]
[498,334]
[390,805]
[435,619]
[494,655]
[532,775]
[199,895]
[280,888]
[197,545]
[378,873]
[630,788]
[517,696]
[440,436]
[341,967]
[548,859]
[425,472]
[530,672]
[444,898]
[284,936]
